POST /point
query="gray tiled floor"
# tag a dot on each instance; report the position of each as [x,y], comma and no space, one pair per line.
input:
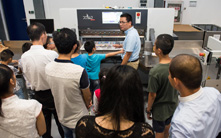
[54,130]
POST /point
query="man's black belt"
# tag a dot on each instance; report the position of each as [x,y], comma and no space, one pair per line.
[134,60]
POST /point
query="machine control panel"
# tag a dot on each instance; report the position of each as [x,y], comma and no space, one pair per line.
[107,32]
[138,18]
[99,32]
[204,57]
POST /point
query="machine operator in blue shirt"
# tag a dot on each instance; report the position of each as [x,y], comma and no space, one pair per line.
[131,44]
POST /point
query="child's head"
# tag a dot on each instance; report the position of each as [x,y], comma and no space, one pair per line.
[49,43]
[7,55]
[164,42]
[65,40]
[26,47]
[102,75]
[88,46]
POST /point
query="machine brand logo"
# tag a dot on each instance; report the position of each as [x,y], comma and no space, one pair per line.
[87,17]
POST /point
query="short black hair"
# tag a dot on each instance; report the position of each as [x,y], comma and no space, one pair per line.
[6,54]
[5,75]
[35,30]
[122,96]
[26,47]
[89,45]
[165,42]
[128,17]
[47,41]
[187,69]
[64,40]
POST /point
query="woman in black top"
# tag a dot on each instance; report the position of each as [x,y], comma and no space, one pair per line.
[120,109]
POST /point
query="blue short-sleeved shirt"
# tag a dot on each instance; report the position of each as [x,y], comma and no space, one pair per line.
[93,65]
[80,60]
[132,44]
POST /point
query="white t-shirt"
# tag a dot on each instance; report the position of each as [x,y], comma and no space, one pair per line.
[19,118]
[66,81]
[33,66]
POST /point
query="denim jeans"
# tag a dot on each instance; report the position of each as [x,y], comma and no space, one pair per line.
[68,132]
[20,94]
[18,90]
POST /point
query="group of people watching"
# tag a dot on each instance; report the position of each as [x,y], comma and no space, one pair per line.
[65,83]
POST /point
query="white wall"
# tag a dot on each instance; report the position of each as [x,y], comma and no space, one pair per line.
[205,12]
[29,6]
[161,19]
[150,3]
[52,7]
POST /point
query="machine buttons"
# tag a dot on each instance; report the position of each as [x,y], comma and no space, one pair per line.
[202,54]
[138,18]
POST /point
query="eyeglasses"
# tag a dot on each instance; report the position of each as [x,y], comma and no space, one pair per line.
[122,22]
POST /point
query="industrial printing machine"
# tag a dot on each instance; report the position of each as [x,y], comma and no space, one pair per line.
[102,26]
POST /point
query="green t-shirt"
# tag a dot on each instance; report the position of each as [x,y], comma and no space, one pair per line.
[166,99]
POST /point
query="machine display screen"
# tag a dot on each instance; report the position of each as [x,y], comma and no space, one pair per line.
[111,17]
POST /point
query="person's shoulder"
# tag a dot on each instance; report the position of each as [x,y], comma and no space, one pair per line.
[72,68]
[183,115]
[83,55]
[77,67]
[146,129]
[159,67]
[34,102]
[51,52]
[102,55]
[133,32]
[50,64]
[212,93]
[50,67]
[98,55]
[29,104]
[95,55]
[85,120]
[144,125]
[154,69]
[27,53]
[210,89]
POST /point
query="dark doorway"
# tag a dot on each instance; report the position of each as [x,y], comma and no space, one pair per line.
[15,19]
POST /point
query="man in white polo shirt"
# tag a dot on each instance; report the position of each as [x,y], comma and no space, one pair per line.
[69,83]
[198,113]
[33,64]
